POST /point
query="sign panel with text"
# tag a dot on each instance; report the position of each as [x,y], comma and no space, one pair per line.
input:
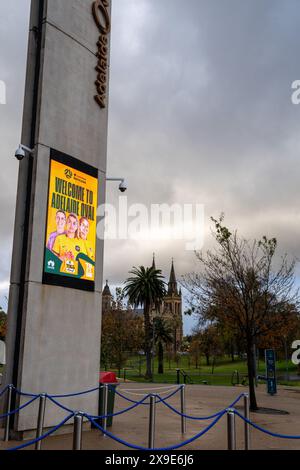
[70,245]
[271,371]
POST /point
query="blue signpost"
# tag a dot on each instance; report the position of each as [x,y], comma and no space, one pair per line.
[271,371]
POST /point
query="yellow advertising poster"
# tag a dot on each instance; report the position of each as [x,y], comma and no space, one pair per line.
[70,246]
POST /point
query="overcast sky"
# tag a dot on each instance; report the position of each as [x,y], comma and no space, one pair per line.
[200,112]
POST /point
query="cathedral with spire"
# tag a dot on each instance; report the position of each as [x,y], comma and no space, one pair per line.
[170,309]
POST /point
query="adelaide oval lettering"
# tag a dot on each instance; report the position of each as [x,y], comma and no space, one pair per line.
[102,20]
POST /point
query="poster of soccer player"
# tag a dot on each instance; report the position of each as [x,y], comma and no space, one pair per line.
[70,245]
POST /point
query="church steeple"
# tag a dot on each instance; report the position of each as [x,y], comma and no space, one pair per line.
[106,298]
[106,290]
[172,286]
[173,309]
[153,263]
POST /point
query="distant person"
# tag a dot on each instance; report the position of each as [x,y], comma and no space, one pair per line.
[68,246]
[60,220]
[84,228]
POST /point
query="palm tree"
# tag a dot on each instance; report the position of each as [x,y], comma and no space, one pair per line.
[162,336]
[145,288]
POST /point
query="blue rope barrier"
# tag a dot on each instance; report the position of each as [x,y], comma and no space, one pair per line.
[125,398]
[24,394]
[3,391]
[18,409]
[59,404]
[157,401]
[158,449]
[236,400]
[22,446]
[86,392]
[111,415]
[201,417]
[98,417]
[170,395]
[259,428]
[163,400]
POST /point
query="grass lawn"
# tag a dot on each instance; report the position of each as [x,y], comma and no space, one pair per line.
[221,374]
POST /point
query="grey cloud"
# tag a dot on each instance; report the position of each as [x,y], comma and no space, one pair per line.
[13,47]
[209,88]
[200,111]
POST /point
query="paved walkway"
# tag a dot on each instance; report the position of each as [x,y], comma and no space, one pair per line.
[201,400]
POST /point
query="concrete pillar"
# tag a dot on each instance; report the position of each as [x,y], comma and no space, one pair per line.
[54,332]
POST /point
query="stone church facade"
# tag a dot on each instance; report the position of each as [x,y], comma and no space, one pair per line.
[170,309]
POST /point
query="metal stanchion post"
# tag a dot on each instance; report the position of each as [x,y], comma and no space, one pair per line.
[77,435]
[40,421]
[152,422]
[178,376]
[247,425]
[182,403]
[105,407]
[8,409]
[231,429]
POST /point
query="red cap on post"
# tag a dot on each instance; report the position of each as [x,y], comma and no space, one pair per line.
[108,378]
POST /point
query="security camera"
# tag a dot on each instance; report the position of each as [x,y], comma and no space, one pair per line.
[20,153]
[123,187]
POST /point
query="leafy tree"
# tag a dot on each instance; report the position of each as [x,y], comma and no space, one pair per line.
[146,288]
[162,336]
[239,285]
[229,339]
[195,350]
[122,334]
[210,343]
[118,303]
[186,342]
